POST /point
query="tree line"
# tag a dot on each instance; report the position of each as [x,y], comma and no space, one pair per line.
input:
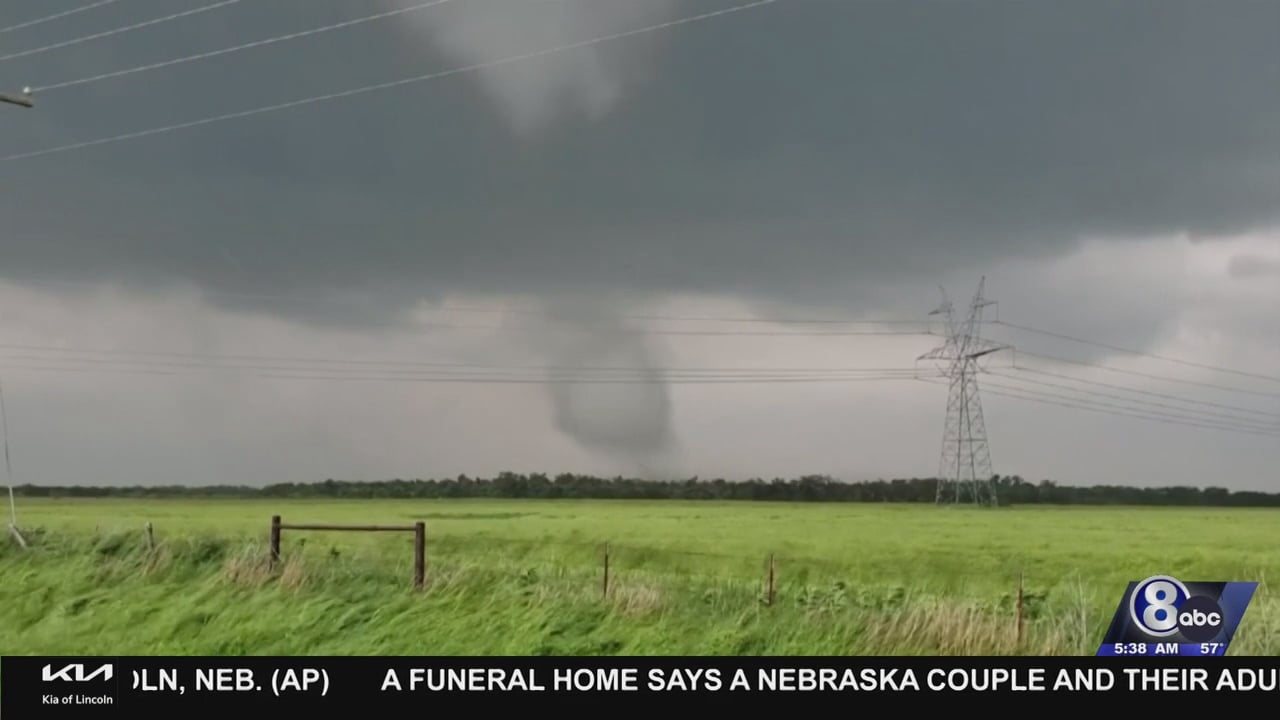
[1010,490]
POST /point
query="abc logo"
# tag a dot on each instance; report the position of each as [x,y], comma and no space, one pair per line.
[1162,606]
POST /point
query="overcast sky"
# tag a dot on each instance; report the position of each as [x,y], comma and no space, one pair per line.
[244,301]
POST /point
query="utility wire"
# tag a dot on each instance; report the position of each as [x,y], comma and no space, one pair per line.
[92,364]
[500,310]
[1041,398]
[1140,416]
[594,381]
[420,363]
[1208,413]
[385,85]
[117,31]
[1180,413]
[1188,363]
[659,331]
[238,48]
[329,374]
[1146,392]
[55,16]
[444,368]
[1152,376]
[1204,422]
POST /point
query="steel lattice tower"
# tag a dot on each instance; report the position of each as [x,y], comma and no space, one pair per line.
[964,472]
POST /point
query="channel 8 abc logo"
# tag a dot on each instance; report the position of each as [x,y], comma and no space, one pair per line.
[1161,606]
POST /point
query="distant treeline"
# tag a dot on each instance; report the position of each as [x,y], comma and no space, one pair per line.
[1010,490]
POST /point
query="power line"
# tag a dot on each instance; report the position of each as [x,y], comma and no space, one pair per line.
[467,376]
[595,381]
[238,48]
[714,318]
[385,85]
[1197,413]
[1147,392]
[1202,366]
[422,377]
[1140,416]
[607,322]
[769,333]
[659,332]
[131,356]
[1152,376]
[500,310]
[336,366]
[55,16]
[1191,418]
[1040,398]
[117,31]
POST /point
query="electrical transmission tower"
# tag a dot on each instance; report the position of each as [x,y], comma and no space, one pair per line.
[964,473]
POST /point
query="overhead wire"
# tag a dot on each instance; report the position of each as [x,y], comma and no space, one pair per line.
[1043,398]
[117,31]
[382,362]
[55,16]
[1149,403]
[239,48]
[628,331]
[1122,388]
[311,301]
[168,359]
[408,367]
[471,375]
[1188,417]
[1164,358]
[1040,398]
[597,381]
[386,85]
[1151,376]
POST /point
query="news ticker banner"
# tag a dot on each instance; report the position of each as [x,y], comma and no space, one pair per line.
[1162,616]
[97,687]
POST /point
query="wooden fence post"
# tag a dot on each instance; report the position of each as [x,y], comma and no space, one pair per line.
[151,537]
[419,554]
[769,592]
[604,587]
[275,539]
[1020,610]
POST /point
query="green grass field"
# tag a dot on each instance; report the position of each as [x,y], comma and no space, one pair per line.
[525,577]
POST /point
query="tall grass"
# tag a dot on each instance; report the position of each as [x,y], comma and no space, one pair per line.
[532,584]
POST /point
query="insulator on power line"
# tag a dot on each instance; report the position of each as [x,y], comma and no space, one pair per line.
[24,99]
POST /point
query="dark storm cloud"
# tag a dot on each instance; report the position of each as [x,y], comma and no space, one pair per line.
[811,150]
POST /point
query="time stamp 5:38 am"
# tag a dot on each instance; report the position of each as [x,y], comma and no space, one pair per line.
[1193,649]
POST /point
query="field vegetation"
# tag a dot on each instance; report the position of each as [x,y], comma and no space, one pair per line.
[686,577]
